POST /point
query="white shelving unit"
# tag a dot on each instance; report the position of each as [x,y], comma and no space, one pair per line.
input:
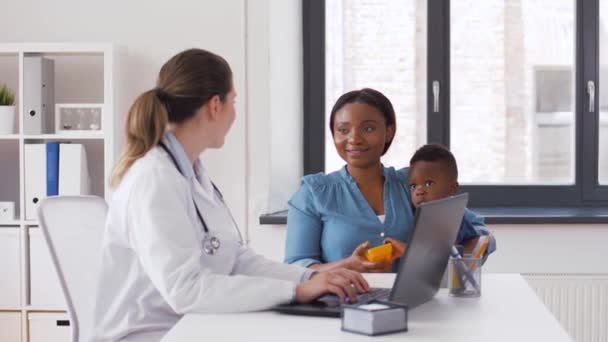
[32,307]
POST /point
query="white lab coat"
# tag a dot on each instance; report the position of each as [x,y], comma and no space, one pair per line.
[154,269]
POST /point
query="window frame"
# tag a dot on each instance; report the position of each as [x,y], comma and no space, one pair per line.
[585,192]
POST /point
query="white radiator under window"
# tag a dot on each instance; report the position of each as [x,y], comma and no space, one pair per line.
[579,302]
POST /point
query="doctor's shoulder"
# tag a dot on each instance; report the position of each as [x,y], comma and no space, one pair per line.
[154,170]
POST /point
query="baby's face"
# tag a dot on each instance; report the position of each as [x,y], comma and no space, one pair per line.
[429,181]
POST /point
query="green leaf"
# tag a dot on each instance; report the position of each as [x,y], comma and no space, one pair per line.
[7,97]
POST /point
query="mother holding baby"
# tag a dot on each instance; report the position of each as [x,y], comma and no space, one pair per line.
[333,218]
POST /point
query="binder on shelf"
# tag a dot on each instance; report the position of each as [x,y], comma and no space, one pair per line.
[52,169]
[38,95]
[35,177]
[73,170]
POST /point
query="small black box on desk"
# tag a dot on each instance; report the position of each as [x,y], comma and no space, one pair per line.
[374,318]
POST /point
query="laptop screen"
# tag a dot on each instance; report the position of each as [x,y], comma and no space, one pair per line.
[436,226]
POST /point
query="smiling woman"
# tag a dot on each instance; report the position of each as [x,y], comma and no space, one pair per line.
[363,126]
[334,218]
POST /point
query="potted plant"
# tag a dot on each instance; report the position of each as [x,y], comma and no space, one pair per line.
[7,110]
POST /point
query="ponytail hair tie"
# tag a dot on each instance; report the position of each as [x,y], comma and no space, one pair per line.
[160,94]
[164,99]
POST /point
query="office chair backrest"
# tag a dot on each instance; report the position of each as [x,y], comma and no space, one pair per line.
[73,229]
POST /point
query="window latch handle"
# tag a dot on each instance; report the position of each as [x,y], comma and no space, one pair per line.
[435,96]
[591,92]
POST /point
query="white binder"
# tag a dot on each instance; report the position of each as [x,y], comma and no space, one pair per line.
[73,170]
[38,95]
[35,178]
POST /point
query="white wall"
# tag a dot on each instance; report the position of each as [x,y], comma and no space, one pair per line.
[550,248]
[274,72]
[149,33]
[260,39]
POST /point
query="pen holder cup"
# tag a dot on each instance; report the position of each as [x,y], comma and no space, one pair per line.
[464,277]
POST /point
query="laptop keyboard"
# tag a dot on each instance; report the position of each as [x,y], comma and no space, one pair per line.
[331,300]
[374,294]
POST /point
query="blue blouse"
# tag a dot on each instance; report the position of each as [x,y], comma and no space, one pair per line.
[329,217]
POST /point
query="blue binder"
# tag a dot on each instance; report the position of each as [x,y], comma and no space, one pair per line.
[52,169]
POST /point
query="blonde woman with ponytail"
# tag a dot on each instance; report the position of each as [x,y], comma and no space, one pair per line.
[171,246]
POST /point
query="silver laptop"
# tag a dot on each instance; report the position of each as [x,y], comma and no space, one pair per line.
[421,268]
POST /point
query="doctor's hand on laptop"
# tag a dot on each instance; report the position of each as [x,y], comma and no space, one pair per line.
[341,282]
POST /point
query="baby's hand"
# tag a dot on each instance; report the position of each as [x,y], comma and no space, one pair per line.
[398,248]
[469,245]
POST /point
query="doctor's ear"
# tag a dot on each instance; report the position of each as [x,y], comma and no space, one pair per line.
[214,106]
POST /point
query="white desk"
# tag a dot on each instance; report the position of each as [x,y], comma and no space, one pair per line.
[508,310]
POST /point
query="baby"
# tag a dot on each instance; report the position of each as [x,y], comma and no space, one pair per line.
[433,175]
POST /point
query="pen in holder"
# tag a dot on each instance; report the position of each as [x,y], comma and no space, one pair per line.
[464,276]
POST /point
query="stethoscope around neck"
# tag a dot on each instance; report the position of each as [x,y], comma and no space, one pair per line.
[211,244]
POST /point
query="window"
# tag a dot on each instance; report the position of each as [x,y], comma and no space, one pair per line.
[364,54]
[517,85]
[603,98]
[552,89]
[553,126]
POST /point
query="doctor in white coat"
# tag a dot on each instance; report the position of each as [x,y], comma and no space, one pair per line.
[171,246]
